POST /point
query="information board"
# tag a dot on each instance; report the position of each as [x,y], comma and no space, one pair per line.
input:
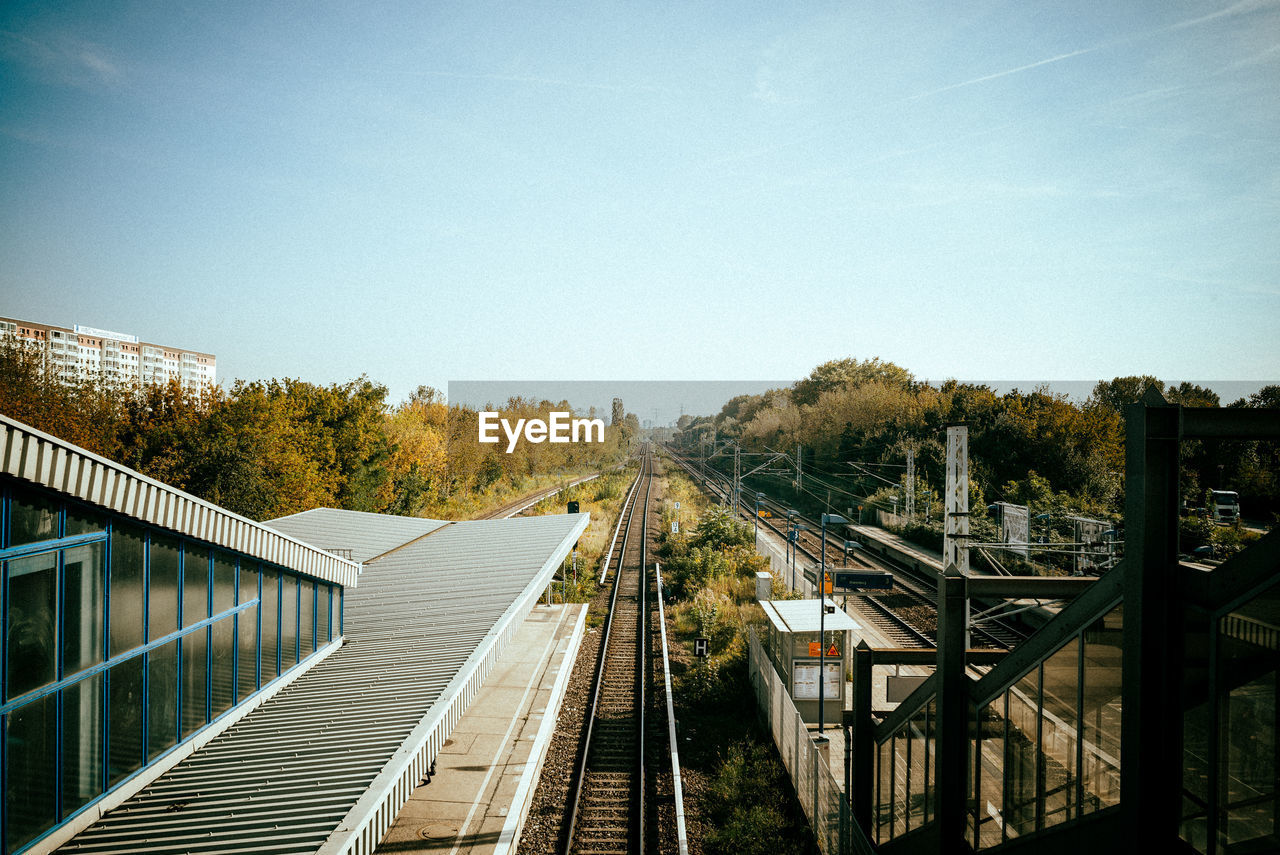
[804,681]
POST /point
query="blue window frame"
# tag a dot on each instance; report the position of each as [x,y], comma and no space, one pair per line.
[119,641]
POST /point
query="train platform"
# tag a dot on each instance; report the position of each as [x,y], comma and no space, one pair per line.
[882,541]
[478,795]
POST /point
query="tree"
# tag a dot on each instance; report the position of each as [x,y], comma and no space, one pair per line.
[847,372]
[1118,392]
[1191,395]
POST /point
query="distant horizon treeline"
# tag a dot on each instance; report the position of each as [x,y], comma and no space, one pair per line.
[266,449]
[855,420]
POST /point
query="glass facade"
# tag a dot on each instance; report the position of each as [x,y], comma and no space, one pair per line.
[1029,741]
[1230,754]
[119,642]
[1027,747]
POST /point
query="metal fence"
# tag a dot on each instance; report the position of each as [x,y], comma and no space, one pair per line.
[818,790]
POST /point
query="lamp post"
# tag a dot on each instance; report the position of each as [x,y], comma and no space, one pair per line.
[1048,556]
[834,519]
[791,515]
[756,529]
[1045,519]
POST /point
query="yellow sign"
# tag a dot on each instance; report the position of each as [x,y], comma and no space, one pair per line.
[815,648]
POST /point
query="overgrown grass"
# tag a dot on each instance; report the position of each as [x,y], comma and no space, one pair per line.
[601,498]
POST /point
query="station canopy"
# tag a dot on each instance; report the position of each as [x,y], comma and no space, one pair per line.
[327,763]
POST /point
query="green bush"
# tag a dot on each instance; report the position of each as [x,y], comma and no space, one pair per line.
[749,816]
[718,529]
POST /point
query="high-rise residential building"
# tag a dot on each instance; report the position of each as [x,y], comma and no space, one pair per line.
[83,352]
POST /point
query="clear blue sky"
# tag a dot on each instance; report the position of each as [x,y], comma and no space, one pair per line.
[427,192]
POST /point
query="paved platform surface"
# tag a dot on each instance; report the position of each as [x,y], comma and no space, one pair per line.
[485,775]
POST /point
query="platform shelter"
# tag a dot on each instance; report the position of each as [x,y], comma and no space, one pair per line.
[798,651]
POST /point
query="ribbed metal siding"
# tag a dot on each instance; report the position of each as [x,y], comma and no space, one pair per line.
[326,765]
[45,460]
[366,535]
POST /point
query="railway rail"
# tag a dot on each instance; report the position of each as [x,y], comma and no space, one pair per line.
[609,806]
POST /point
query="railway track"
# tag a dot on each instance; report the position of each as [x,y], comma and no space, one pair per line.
[910,615]
[608,809]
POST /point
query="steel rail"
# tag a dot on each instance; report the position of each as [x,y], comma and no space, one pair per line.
[604,567]
[598,683]
[642,641]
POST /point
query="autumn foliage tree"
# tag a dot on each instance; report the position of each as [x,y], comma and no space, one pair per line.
[871,412]
[270,448]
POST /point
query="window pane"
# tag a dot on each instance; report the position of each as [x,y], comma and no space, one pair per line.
[990,804]
[308,617]
[224,582]
[162,598]
[195,672]
[901,745]
[83,521]
[86,579]
[128,549]
[931,759]
[126,719]
[221,682]
[248,582]
[195,585]
[162,699]
[1100,770]
[915,771]
[270,624]
[33,613]
[324,614]
[30,740]
[32,517]
[1021,750]
[1058,734]
[884,792]
[1247,786]
[289,622]
[247,665]
[82,744]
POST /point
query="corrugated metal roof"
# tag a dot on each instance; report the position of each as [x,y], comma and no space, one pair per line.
[802,616]
[42,459]
[365,535]
[326,765]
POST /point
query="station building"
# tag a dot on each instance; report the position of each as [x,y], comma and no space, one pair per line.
[177,678]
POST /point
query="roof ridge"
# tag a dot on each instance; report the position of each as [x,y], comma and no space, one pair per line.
[447,524]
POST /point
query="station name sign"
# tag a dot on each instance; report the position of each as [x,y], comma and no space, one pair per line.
[560,427]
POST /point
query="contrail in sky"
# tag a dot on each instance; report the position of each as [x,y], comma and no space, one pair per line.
[1005,73]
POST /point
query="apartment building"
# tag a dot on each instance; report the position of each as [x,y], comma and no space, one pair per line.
[83,352]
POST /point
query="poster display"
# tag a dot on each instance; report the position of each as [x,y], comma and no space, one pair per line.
[804,681]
